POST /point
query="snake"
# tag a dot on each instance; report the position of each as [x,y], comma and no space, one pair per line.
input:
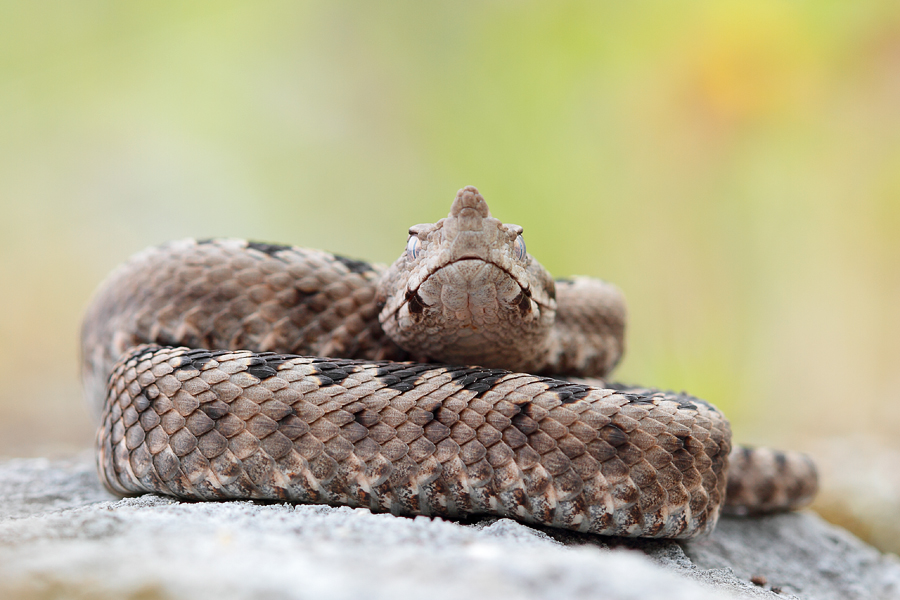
[461,381]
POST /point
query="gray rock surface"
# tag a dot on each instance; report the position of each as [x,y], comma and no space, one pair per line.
[63,536]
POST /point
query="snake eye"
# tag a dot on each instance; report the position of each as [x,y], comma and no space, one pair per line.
[412,247]
[519,248]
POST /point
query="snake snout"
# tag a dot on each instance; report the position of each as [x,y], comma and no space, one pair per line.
[469,198]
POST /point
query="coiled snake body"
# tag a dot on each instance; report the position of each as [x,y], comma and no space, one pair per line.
[322,383]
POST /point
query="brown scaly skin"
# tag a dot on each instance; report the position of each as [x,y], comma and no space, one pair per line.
[231,425]
[765,480]
[233,294]
[412,438]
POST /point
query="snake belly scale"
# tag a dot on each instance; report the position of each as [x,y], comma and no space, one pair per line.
[228,369]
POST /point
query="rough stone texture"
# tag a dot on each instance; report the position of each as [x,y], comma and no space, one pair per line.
[62,536]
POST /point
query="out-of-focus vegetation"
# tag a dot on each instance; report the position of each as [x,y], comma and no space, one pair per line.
[733,165]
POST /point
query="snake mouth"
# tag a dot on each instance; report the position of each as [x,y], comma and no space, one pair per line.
[522,300]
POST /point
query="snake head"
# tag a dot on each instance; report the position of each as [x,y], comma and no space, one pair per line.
[465,290]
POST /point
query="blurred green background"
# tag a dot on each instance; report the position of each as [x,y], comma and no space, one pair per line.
[734,166]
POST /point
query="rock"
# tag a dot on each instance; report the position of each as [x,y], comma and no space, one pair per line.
[62,535]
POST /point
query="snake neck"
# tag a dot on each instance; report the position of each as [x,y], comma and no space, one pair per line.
[465,291]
